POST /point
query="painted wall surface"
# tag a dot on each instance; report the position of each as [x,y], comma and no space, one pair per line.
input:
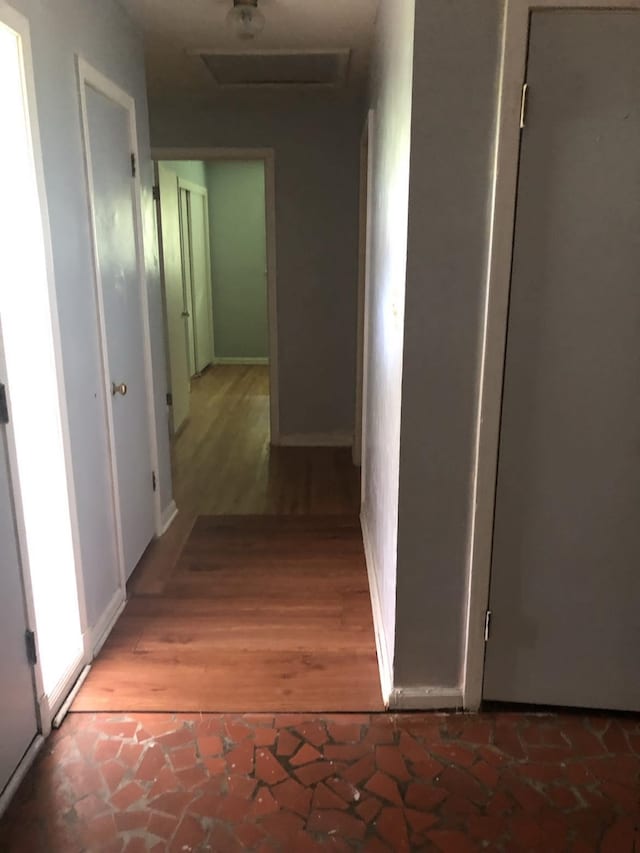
[390,145]
[454,111]
[103,35]
[316,140]
[194,171]
[237,221]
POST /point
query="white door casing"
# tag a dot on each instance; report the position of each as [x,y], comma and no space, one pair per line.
[111,155]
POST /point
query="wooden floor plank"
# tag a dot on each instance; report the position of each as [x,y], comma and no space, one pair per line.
[263,611]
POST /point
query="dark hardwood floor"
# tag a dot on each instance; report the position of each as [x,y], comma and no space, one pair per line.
[257,597]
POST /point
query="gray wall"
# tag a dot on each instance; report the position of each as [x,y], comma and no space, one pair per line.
[390,149]
[316,142]
[237,220]
[102,33]
[454,105]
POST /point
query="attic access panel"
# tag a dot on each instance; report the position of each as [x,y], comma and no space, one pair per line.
[278,68]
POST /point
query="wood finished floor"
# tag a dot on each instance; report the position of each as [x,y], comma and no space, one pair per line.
[257,597]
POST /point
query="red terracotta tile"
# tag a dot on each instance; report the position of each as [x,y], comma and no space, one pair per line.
[130,754]
[287,743]
[424,797]
[345,732]
[451,841]
[89,807]
[176,738]
[192,777]
[152,763]
[345,751]
[324,798]
[268,768]
[314,732]
[210,745]
[361,770]
[165,781]
[172,803]
[614,739]
[327,821]
[460,782]
[126,821]
[98,831]
[344,789]
[241,758]
[208,805]
[215,766]
[265,737]
[162,825]
[249,835]
[105,750]
[189,834]
[264,803]
[84,778]
[127,796]
[455,753]
[291,795]
[305,755]
[282,826]
[237,731]
[475,732]
[384,787]
[135,845]
[117,729]
[312,773]
[486,774]
[391,762]
[486,828]
[368,809]
[420,821]
[392,827]
[183,757]
[232,808]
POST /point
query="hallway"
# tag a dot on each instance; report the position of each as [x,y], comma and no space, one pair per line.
[257,599]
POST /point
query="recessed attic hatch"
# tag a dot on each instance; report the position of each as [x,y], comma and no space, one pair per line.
[327,68]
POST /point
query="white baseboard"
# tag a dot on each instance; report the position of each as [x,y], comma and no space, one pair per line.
[21,771]
[168,517]
[103,628]
[425,698]
[316,439]
[385,665]
[240,360]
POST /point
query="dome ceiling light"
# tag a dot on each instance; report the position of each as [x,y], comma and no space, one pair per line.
[246,20]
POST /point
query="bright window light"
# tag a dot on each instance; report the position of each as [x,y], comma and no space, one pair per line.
[25,314]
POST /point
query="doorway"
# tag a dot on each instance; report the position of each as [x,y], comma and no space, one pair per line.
[564,581]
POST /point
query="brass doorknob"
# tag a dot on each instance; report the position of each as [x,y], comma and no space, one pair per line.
[118,389]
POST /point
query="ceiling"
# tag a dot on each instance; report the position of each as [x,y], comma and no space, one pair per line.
[175,29]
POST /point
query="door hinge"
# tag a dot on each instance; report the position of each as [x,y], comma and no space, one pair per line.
[4,406]
[169,399]
[30,642]
[523,105]
[133,166]
[156,192]
[487,626]
[154,481]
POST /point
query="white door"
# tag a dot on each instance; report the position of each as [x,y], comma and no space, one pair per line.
[18,724]
[110,147]
[565,583]
[185,242]
[201,280]
[174,296]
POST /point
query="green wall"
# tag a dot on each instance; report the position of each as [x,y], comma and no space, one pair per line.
[238,258]
[189,170]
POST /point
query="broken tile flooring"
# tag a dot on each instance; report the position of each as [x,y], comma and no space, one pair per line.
[432,782]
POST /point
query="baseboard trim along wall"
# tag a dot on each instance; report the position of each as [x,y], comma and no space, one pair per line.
[168,517]
[426,699]
[316,439]
[384,663]
[223,360]
[104,627]
[21,771]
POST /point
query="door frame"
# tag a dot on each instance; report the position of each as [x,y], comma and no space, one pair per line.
[267,155]
[364,275]
[202,191]
[492,353]
[90,76]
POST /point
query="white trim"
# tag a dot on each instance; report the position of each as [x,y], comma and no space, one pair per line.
[102,629]
[20,25]
[68,702]
[57,699]
[367,305]
[515,39]
[317,439]
[22,769]
[425,698]
[269,158]
[385,665]
[169,515]
[204,193]
[89,76]
[241,360]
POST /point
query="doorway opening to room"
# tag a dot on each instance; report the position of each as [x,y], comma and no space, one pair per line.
[216,221]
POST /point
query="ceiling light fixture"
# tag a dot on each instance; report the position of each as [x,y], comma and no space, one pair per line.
[246,19]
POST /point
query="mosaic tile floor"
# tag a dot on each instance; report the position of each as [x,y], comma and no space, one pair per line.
[181,783]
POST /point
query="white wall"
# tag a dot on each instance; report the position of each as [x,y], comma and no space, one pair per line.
[391,145]
[102,33]
[452,145]
[316,140]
